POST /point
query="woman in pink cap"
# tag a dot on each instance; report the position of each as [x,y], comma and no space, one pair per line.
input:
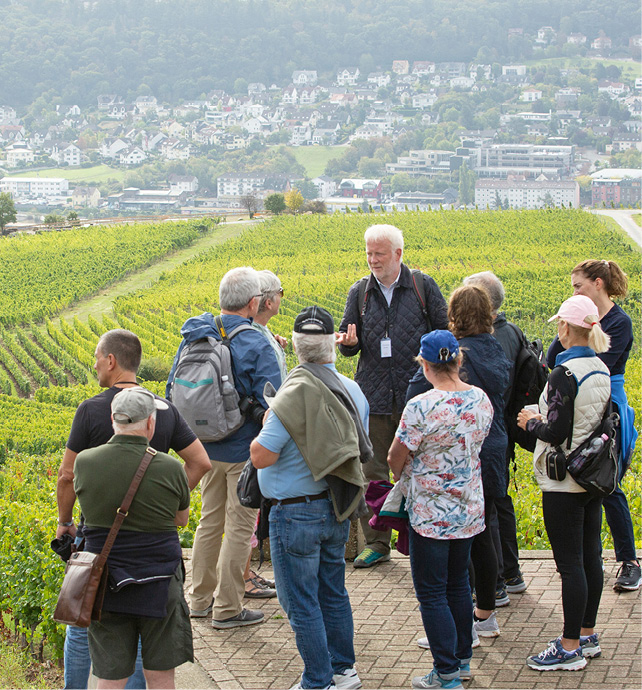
[603,281]
[572,404]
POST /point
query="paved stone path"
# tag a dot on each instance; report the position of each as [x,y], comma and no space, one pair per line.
[387,623]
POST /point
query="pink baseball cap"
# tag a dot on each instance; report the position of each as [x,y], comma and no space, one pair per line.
[579,311]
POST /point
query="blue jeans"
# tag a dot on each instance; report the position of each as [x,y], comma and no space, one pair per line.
[440,574]
[307,545]
[78,663]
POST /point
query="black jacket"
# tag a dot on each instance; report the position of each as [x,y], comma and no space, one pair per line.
[385,380]
[510,341]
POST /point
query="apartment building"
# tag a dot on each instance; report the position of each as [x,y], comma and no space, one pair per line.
[501,160]
[527,194]
[34,187]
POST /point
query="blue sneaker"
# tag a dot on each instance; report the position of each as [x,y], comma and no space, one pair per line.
[501,598]
[515,585]
[434,680]
[464,672]
[590,646]
[556,658]
[369,557]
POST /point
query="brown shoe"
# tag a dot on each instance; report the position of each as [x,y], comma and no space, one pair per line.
[255,589]
[262,580]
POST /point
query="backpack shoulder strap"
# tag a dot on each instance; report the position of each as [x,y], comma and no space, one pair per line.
[225,336]
[569,438]
[591,373]
[418,286]
[362,297]
[420,290]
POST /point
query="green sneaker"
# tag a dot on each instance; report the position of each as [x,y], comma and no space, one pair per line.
[369,557]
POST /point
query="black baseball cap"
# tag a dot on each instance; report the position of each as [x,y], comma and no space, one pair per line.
[314,321]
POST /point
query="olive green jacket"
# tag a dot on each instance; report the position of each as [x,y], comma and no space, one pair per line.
[326,436]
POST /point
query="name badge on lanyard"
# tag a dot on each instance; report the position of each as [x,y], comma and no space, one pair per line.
[386,348]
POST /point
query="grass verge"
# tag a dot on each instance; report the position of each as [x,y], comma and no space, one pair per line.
[102,302]
[19,670]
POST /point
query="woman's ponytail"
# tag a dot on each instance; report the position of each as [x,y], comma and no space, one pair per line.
[598,340]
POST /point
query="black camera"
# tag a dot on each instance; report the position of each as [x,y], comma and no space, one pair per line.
[556,464]
[252,409]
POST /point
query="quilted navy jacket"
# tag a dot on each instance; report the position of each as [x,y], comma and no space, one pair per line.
[385,380]
[486,366]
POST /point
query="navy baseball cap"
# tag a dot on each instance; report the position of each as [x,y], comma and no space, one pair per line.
[314,321]
[439,346]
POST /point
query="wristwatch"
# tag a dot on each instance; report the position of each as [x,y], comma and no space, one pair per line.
[66,524]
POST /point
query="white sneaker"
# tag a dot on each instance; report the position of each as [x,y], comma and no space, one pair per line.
[488,627]
[347,679]
[424,644]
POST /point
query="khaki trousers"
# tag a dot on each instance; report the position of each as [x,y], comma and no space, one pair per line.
[218,561]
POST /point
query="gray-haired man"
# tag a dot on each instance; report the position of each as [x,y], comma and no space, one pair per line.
[309,466]
[218,564]
[385,316]
[145,560]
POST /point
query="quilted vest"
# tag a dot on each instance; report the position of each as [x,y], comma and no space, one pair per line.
[591,399]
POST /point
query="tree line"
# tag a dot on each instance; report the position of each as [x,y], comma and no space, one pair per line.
[76,50]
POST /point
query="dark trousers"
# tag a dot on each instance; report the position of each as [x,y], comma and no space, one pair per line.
[504,531]
[618,515]
[484,560]
[573,522]
[382,428]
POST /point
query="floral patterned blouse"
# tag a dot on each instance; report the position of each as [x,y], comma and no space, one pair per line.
[442,478]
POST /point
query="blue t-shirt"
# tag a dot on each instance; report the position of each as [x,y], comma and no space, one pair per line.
[289,476]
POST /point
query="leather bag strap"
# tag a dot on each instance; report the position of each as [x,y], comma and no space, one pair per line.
[121,513]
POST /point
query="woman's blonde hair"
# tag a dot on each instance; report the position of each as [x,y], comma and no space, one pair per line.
[598,340]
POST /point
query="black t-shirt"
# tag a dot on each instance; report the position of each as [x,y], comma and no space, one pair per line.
[92,425]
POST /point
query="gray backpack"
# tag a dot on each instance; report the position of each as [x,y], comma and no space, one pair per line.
[203,388]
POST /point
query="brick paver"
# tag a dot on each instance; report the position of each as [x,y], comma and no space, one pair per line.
[387,623]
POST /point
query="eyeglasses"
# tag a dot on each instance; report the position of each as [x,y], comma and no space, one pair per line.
[273,292]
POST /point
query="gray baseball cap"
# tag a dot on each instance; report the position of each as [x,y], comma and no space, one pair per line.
[133,405]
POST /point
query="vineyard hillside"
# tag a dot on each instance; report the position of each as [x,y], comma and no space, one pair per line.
[46,362]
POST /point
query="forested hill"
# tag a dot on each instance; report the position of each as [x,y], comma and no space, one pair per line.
[77,49]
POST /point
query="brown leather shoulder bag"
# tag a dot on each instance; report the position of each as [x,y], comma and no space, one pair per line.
[81,596]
